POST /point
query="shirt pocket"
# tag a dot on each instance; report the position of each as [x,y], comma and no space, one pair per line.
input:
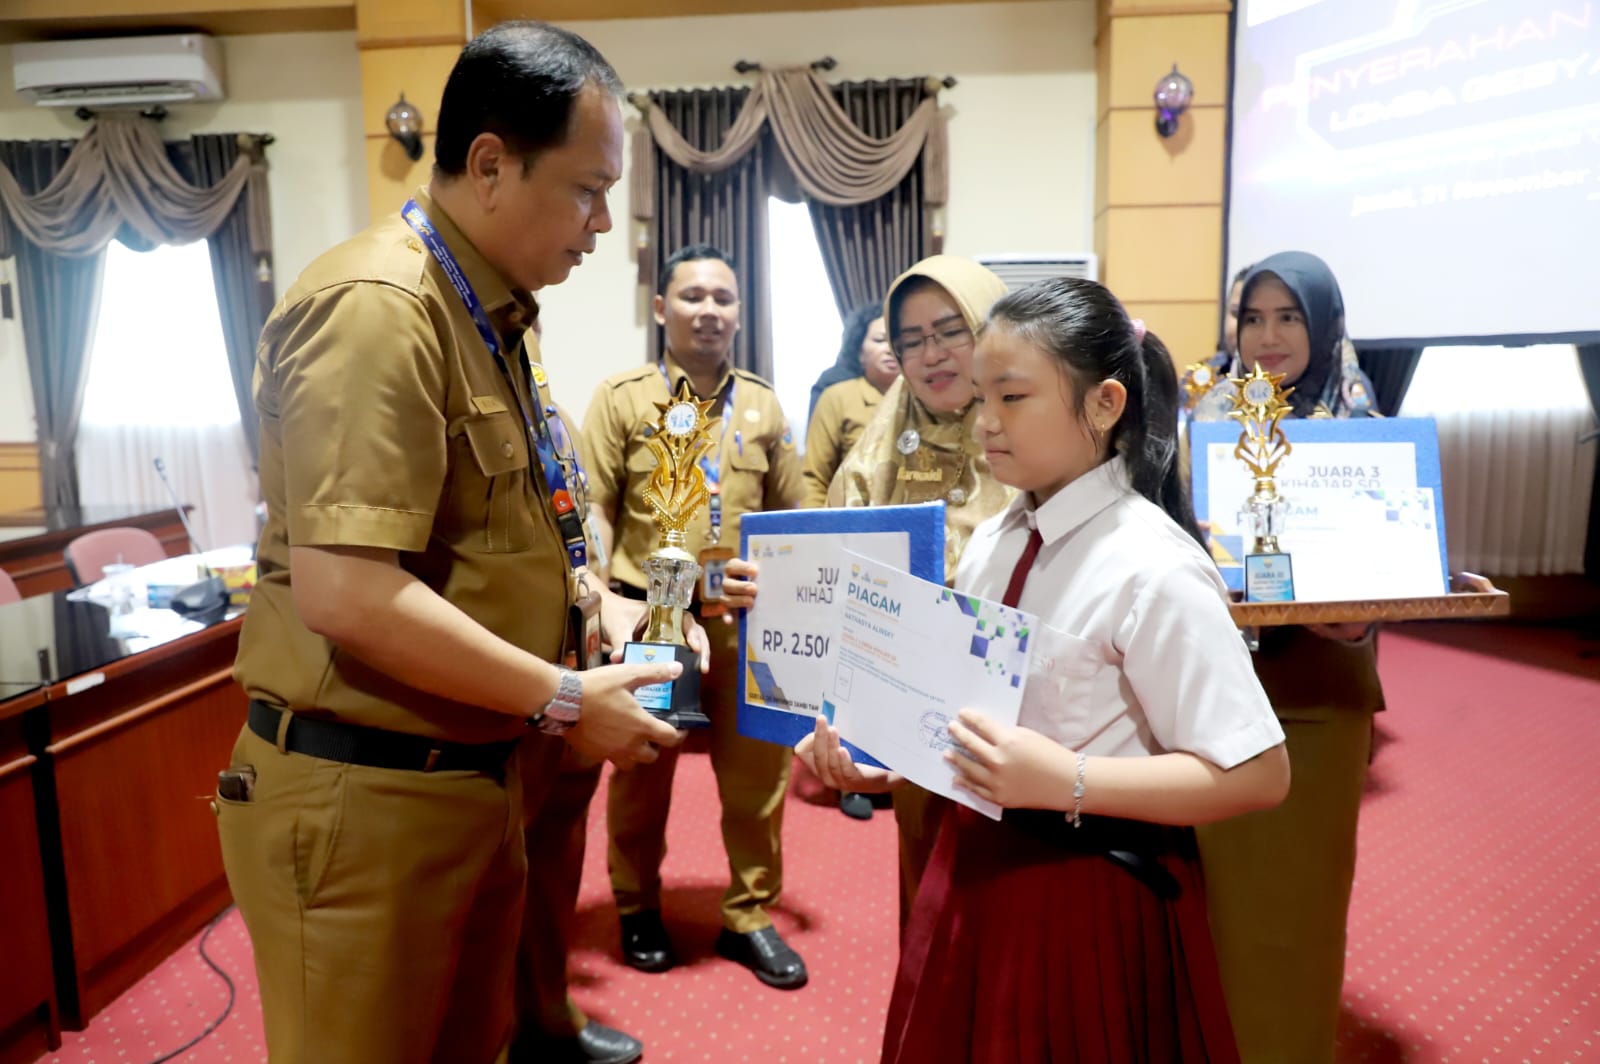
[1065,674]
[744,478]
[490,490]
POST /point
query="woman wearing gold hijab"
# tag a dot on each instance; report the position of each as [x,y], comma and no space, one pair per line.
[919,447]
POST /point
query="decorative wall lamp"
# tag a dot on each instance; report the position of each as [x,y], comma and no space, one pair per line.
[405,125]
[1173,95]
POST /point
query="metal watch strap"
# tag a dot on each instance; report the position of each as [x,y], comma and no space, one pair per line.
[561,712]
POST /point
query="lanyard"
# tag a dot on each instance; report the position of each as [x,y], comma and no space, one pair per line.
[714,475]
[536,422]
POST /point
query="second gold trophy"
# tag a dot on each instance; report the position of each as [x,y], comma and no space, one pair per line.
[676,491]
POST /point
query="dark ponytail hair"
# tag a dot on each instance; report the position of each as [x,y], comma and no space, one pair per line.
[1084,326]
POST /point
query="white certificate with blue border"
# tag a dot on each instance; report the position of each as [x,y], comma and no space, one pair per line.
[1366,517]
[908,656]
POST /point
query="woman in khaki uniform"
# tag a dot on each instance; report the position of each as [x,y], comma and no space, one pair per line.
[843,409]
[1278,882]
[918,448]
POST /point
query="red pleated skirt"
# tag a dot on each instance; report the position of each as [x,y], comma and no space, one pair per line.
[1022,950]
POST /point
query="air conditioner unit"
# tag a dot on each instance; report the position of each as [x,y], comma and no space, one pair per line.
[1024,268]
[120,71]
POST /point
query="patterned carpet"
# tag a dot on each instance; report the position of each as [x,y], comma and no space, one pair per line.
[1475,931]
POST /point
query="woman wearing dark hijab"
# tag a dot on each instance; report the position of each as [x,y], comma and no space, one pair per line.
[1278,882]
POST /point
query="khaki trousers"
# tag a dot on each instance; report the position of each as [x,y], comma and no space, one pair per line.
[1278,892]
[381,905]
[752,777]
[556,788]
[917,816]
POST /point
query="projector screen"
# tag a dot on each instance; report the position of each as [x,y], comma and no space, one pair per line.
[1442,155]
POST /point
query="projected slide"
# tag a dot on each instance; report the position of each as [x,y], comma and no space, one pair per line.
[1442,155]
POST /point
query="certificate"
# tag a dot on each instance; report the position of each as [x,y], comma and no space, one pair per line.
[785,636]
[908,656]
[1365,518]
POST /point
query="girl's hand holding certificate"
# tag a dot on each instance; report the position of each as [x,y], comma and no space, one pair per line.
[1009,765]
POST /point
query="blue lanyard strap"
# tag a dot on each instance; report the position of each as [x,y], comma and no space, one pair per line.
[536,422]
[713,474]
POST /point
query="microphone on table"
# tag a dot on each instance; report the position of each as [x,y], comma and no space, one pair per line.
[205,600]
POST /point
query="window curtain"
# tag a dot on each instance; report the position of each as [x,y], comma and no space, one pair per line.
[242,274]
[1589,365]
[58,297]
[790,135]
[866,246]
[1390,370]
[61,202]
[1518,476]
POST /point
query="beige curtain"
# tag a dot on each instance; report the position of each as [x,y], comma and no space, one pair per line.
[832,160]
[119,175]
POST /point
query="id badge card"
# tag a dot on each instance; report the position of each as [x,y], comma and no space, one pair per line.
[713,568]
[583,632]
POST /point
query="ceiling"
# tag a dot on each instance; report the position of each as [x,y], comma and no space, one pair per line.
[24,20]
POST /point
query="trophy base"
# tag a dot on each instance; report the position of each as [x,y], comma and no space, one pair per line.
[1268,578]
[677,701]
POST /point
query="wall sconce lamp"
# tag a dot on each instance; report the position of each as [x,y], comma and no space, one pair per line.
[405,125]
[1173,94]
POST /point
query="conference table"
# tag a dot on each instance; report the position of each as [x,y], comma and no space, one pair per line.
[32,542]
[113,725]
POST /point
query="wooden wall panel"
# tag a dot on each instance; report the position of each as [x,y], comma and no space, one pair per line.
[19,477]
[420,73]
[392,23]
[1163,254]
[134,764]
[391,177]
[1143,49]
[1188,329]
[1158,201]
[1143,169]
[27,991]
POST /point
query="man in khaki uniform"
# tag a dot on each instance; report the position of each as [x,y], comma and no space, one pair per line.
[756,467]
[557,786]
[415,583]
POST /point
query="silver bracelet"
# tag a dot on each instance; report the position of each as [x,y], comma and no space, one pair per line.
[1076,816]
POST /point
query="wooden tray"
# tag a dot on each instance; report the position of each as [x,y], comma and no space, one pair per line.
[1471,596]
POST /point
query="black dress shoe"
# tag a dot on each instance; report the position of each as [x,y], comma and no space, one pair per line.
[595,1044]
[645,944]
[765,953]
[855,806]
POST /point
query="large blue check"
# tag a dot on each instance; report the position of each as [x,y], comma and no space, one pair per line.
[784,638]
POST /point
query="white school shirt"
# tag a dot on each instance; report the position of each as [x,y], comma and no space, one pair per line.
[1135,653]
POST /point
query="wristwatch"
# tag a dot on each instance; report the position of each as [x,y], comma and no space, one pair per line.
[562,711]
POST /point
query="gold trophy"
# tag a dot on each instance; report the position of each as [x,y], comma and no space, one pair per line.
[676,491]
[1258,405]
[1197,379]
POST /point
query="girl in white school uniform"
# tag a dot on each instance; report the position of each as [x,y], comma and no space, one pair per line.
[1074,929]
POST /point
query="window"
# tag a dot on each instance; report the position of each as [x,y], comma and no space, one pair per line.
[805,320]
[1516,451]
[159,387]
[158,356]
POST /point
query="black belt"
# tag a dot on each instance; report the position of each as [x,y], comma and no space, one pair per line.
[1132,845]
[352,744]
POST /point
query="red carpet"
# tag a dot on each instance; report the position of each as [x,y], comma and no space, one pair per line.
[1475,933]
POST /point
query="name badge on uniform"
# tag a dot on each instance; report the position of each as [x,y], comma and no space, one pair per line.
[713,569]
[583,631]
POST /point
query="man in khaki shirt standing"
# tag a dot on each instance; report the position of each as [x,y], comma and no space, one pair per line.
[755,468]
[417,568]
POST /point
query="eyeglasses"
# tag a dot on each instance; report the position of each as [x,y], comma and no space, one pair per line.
[949,338]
